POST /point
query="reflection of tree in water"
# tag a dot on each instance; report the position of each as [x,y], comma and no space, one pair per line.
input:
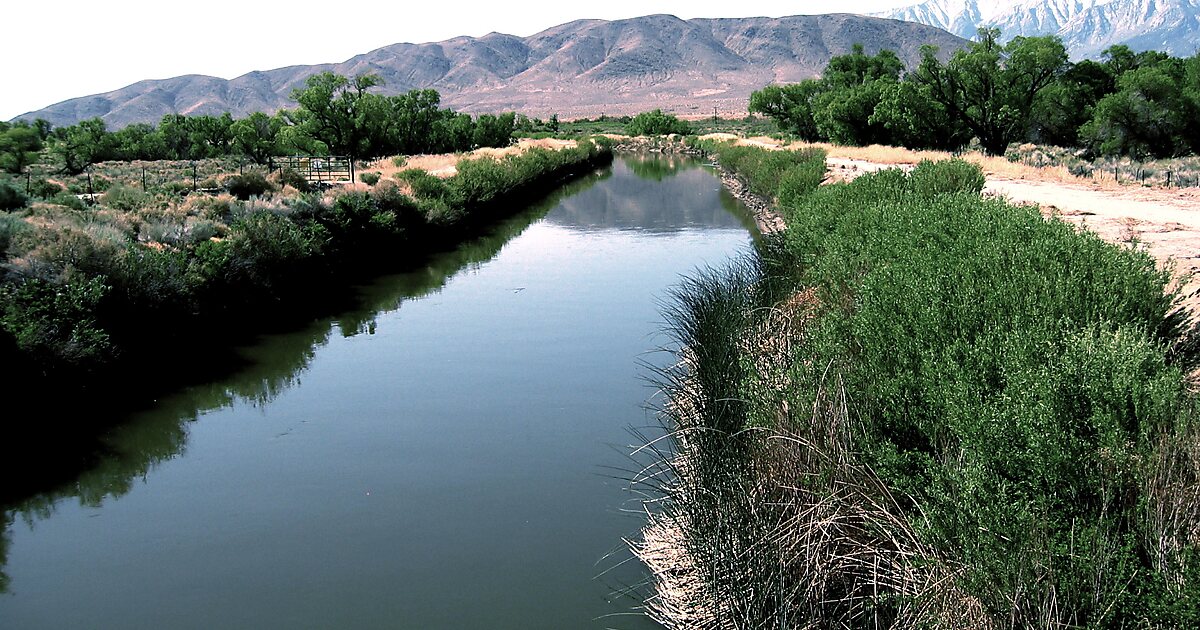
[657,168]
[269,368]
[655,194]
[6,520]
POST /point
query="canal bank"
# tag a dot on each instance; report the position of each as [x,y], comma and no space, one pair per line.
[449,452]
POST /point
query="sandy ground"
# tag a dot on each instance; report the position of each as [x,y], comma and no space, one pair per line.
[446,164]
[1163,221]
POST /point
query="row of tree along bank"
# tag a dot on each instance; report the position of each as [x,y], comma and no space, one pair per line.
[125,280]
[1138,104]
[335,115]
[920,408]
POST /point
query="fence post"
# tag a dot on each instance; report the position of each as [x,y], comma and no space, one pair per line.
[91,193]
[143,179]
[352,169]
[193,177]
[1168,179]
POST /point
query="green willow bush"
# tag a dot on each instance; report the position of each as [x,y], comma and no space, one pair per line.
[1013,422]
[786,174]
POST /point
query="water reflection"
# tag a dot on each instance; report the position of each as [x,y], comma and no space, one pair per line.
[271,366]
[669,195]
[410,462]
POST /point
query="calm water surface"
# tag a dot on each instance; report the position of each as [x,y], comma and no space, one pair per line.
[448,455]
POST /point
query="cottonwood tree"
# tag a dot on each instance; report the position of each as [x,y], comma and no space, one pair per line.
[257,136]
[991,88]
[1150,115]
[337,110]
[19,146]
[79,146]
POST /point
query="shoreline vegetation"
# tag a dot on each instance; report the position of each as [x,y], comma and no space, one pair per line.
[96,303]
[916,407]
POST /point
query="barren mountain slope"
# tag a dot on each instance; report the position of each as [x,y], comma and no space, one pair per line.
[582,68]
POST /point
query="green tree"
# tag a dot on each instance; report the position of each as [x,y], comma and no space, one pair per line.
[853,86]
[657,123]
[917,121]
[175,130]
[20,143]
[81,145]
[991,89]
[415,116]
[1149,115]
[257,136]
[333,110]
[493,131]
[210,136]
[1068,103]
[140,141]
[791,106]
[452,132]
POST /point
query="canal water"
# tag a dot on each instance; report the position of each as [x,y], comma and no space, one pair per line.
[452,453]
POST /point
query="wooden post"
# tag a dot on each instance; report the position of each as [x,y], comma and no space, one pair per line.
[193,177]
[143,179]
[352,180]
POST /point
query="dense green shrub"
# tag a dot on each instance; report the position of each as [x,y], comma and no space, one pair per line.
[947,176]
[424,185]
[11,197]
[266,250]
[247,185]
[10,226]
[291,177]
[149,280]
[68,200]
[55,324]
[1007,412]
[120,197]
[657,123]
[44,189]
[769,174]
[369,179]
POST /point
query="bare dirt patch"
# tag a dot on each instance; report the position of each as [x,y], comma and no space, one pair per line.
[446,164]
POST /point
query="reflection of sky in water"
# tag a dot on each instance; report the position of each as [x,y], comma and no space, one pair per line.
[687,196]
[438,463]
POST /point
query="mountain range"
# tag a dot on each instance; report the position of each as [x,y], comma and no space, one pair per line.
[581,68]
[1087,27]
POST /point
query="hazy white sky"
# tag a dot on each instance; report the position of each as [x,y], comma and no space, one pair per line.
[52,51]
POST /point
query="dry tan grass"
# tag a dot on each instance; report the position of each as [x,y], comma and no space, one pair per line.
[446,164]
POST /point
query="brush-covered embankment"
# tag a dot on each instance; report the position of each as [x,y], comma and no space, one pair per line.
[143,276]
[921,408]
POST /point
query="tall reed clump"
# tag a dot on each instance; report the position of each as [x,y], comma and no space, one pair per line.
[965,416]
